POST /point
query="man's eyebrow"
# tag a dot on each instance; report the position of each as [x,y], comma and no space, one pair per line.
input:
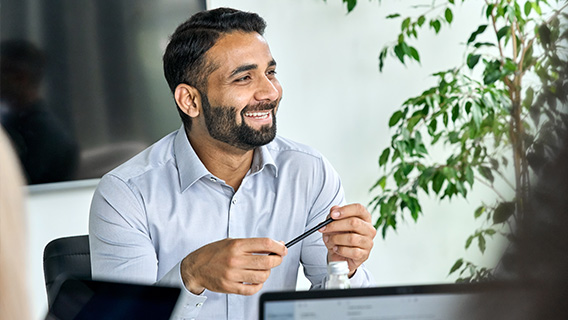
[243,68]
[248,67]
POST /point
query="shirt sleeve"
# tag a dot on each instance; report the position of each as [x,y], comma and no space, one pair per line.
[121,246]
[189,304]
[328,193]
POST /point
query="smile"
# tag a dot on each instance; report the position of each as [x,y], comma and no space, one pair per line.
[258,115]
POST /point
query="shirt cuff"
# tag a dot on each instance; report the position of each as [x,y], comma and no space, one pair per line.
[362,278]
[188,304]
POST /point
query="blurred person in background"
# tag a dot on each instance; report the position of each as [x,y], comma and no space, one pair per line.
[538,257]
[46,150]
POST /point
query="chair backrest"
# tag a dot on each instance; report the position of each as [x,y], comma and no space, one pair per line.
[68,256]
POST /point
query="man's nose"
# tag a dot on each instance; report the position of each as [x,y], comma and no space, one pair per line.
[267,90]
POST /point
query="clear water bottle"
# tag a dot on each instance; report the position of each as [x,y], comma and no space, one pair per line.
[337,275]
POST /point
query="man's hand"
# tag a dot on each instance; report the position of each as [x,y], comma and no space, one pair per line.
[350,237]
[238,266]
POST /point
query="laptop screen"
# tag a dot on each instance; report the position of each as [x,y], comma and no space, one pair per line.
[88,299]
[432,302]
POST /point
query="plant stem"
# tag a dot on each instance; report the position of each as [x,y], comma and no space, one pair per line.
[492,188]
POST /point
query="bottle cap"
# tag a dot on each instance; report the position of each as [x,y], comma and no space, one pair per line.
[338,267]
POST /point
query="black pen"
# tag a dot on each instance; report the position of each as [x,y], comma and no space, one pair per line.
[307,233]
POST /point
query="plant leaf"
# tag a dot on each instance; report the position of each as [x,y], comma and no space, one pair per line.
[483,44]
[486,173]
[421,20]
[456,266]
[436,25]
[392,16]
[528,8]
[468,242]
[481,243]
[414,53]
[544,35]
[438,181]
[350,4]
[382,57]
[449,15]
[489,10]
[479,211]
[503,32]
[405,23]
[395,118]
[472,60]
[399,52]
[455,112]
[469,175]
[536,7]
[503,211]
[384,157]
[381,182]
[476,115]
[477,32]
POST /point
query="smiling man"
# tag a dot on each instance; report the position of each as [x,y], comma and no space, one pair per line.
[203,207]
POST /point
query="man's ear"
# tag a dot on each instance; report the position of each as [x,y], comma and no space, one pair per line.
[188,99]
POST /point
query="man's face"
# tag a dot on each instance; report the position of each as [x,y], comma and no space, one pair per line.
[243,92]
[222,124]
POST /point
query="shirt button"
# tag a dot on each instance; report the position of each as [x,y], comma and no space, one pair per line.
[234,201]
[199,304]
[213,179]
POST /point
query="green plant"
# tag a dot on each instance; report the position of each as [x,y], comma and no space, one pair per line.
[504,107]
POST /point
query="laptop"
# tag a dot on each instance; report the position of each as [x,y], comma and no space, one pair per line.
[80,299]
[432,302]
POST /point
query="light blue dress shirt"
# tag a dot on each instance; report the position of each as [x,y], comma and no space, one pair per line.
[150,212]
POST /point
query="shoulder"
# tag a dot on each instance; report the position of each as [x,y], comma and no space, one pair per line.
[281,146]
[156,157]
[295,156]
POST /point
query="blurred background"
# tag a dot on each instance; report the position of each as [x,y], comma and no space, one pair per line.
[103,86]
[89,82]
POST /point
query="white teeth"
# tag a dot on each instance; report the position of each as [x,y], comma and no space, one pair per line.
[257,114]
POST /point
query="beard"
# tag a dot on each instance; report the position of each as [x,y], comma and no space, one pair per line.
[221,122]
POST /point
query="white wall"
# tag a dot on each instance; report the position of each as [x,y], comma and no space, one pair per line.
[336,101]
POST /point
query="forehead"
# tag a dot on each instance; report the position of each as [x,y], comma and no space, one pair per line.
[239,48]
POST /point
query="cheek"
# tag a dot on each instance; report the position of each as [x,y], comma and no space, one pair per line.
[236,99]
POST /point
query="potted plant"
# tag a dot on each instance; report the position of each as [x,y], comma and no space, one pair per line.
[498,116]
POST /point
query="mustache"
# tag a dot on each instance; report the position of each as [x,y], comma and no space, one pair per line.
[263,106]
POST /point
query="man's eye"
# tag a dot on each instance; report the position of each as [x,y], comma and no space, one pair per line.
[272,72]
[245,78]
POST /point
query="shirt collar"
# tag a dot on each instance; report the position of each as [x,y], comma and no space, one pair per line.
[191,169]
[263,158]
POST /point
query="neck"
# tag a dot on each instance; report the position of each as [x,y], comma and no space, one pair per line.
[224,161]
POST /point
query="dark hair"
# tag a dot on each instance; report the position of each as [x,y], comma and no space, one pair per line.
[19,55]
[184,59]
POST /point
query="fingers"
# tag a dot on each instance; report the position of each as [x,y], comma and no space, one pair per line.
[245,282]
[254,261]
[349,245]
[351,218]
[261,245]
[245,272]
[347,240]
[351,210]
[238,266]
[350,236]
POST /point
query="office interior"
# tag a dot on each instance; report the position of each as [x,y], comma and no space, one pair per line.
[335,100]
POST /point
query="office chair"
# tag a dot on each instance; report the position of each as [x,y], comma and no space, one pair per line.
[68,256]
